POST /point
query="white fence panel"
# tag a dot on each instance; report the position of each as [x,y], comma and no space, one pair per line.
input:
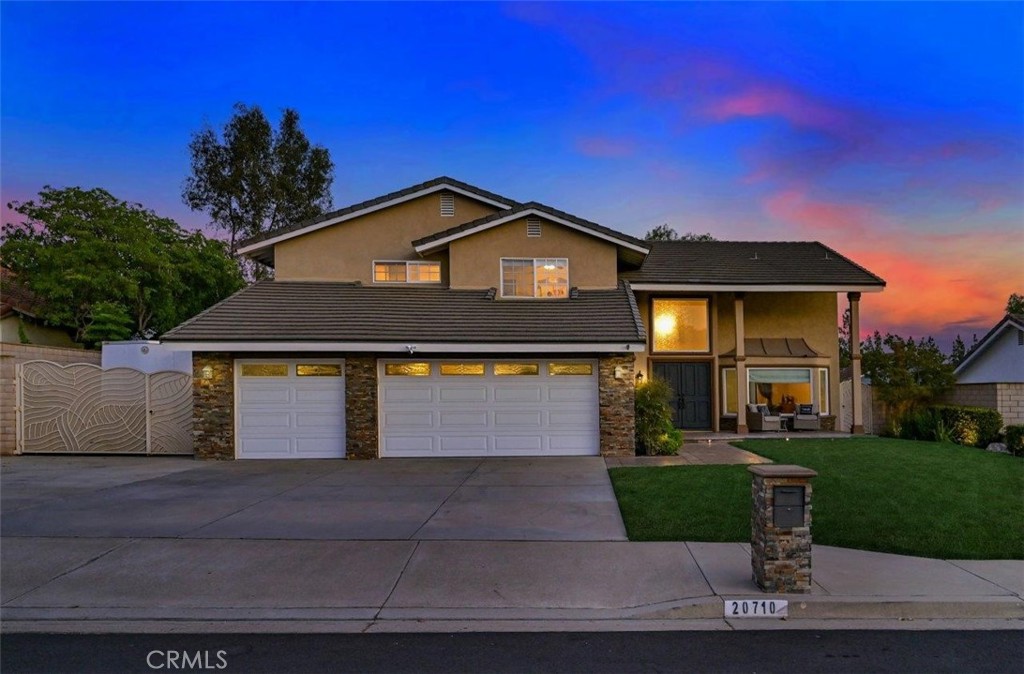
[81,408]
[845,420]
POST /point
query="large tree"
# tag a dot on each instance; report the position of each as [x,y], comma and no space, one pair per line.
[1015,304]
[666,233]
[251,178]
[112,269]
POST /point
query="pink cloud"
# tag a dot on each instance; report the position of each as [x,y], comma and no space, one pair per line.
[784,101]
[605,147]
[810,218]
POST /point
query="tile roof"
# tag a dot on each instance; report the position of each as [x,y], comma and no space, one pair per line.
[15,297]
[535,206]
[442,180]
[749,263]
[294,311]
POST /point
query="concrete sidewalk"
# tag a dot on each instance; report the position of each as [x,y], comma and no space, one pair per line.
[179,585]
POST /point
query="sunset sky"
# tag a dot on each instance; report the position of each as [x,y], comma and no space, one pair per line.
[892,132]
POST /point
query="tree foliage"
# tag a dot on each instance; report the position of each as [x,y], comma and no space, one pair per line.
[251,178]
[906,373]
[666,233]
[112,269]
[1015,304]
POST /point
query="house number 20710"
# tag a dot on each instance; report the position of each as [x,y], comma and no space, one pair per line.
[756,608]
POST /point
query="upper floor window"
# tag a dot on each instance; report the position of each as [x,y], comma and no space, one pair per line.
[400,271]
[535,277]
[681,325]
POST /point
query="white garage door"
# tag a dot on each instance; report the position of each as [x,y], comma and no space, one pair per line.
[527,407]
[290,409]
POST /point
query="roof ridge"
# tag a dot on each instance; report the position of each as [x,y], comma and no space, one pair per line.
[843,257]
[366,203]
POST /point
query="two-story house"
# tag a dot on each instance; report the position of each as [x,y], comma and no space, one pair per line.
[445,320]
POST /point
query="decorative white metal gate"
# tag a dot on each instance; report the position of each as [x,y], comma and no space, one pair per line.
[82,408]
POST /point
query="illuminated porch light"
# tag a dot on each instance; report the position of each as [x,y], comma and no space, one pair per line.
[665,324]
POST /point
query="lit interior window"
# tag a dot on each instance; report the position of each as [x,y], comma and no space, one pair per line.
[681,325]
[535,277]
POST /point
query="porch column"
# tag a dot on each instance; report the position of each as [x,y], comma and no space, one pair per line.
[856,398]
[741,367]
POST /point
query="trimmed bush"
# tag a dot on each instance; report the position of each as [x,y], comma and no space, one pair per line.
[655,433]
[972,426]
[1015,439]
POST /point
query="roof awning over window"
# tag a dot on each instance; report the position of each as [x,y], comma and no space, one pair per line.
[777,347]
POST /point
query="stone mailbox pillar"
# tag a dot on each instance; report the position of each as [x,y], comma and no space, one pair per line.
[780,522]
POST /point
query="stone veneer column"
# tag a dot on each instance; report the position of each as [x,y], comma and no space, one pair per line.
[857,398]
[779,557]
[741,366]
[361,432]
[213,405]
[616,405]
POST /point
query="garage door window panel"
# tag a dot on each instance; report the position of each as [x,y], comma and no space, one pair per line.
[332,370]
[516,369]
[570,369]
[264,370]
[407,370]
[462,369]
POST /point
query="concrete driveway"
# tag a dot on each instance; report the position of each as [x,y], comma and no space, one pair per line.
[550,499]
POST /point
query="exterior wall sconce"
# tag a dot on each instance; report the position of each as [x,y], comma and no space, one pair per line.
[206,374]
[639,377]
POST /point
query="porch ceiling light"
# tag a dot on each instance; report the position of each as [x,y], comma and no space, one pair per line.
[665,324]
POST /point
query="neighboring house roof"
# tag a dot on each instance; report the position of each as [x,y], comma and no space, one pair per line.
[1009,322]
[306,311]
[439,240]
[750,265]
[260,246]
[781,347]
[16,298]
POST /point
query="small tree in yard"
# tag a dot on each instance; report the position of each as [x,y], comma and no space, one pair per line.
[655,433]
[907,374]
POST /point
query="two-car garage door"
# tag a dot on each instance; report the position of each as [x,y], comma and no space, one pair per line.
[528,407]
[295,408]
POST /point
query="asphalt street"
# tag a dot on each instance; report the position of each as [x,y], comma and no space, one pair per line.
[769,651]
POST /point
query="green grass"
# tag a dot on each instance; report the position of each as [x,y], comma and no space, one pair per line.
[913,498]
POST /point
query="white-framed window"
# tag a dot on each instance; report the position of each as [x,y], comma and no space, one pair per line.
[546,277]
[402,271]
[781,388]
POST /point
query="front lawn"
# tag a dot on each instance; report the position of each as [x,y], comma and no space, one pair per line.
[913,498]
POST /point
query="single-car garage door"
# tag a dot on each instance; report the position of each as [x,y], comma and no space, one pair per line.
[290,409]
[465,407]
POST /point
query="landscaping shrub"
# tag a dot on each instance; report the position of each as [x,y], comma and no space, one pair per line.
[971,426]
[1015,439]
[655,433]
[917,424]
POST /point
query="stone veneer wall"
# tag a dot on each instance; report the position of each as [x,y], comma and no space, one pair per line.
[616,405]
[10,356]
[361,430]
[213,405]
[780,558]
[1007,398]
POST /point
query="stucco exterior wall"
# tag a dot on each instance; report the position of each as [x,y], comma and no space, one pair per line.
[1001,362]
[475,261]
[10,356]
[42,335]
[346,251]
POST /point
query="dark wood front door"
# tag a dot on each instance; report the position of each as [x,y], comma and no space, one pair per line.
[691,389]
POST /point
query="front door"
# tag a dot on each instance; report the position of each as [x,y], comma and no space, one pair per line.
[691,393]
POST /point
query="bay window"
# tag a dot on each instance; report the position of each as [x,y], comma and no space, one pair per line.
[782,389]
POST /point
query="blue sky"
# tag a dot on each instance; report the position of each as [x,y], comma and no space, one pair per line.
[894,132]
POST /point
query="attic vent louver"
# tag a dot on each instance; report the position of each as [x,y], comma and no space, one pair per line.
[533,227]
[491,293]
[447,205]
